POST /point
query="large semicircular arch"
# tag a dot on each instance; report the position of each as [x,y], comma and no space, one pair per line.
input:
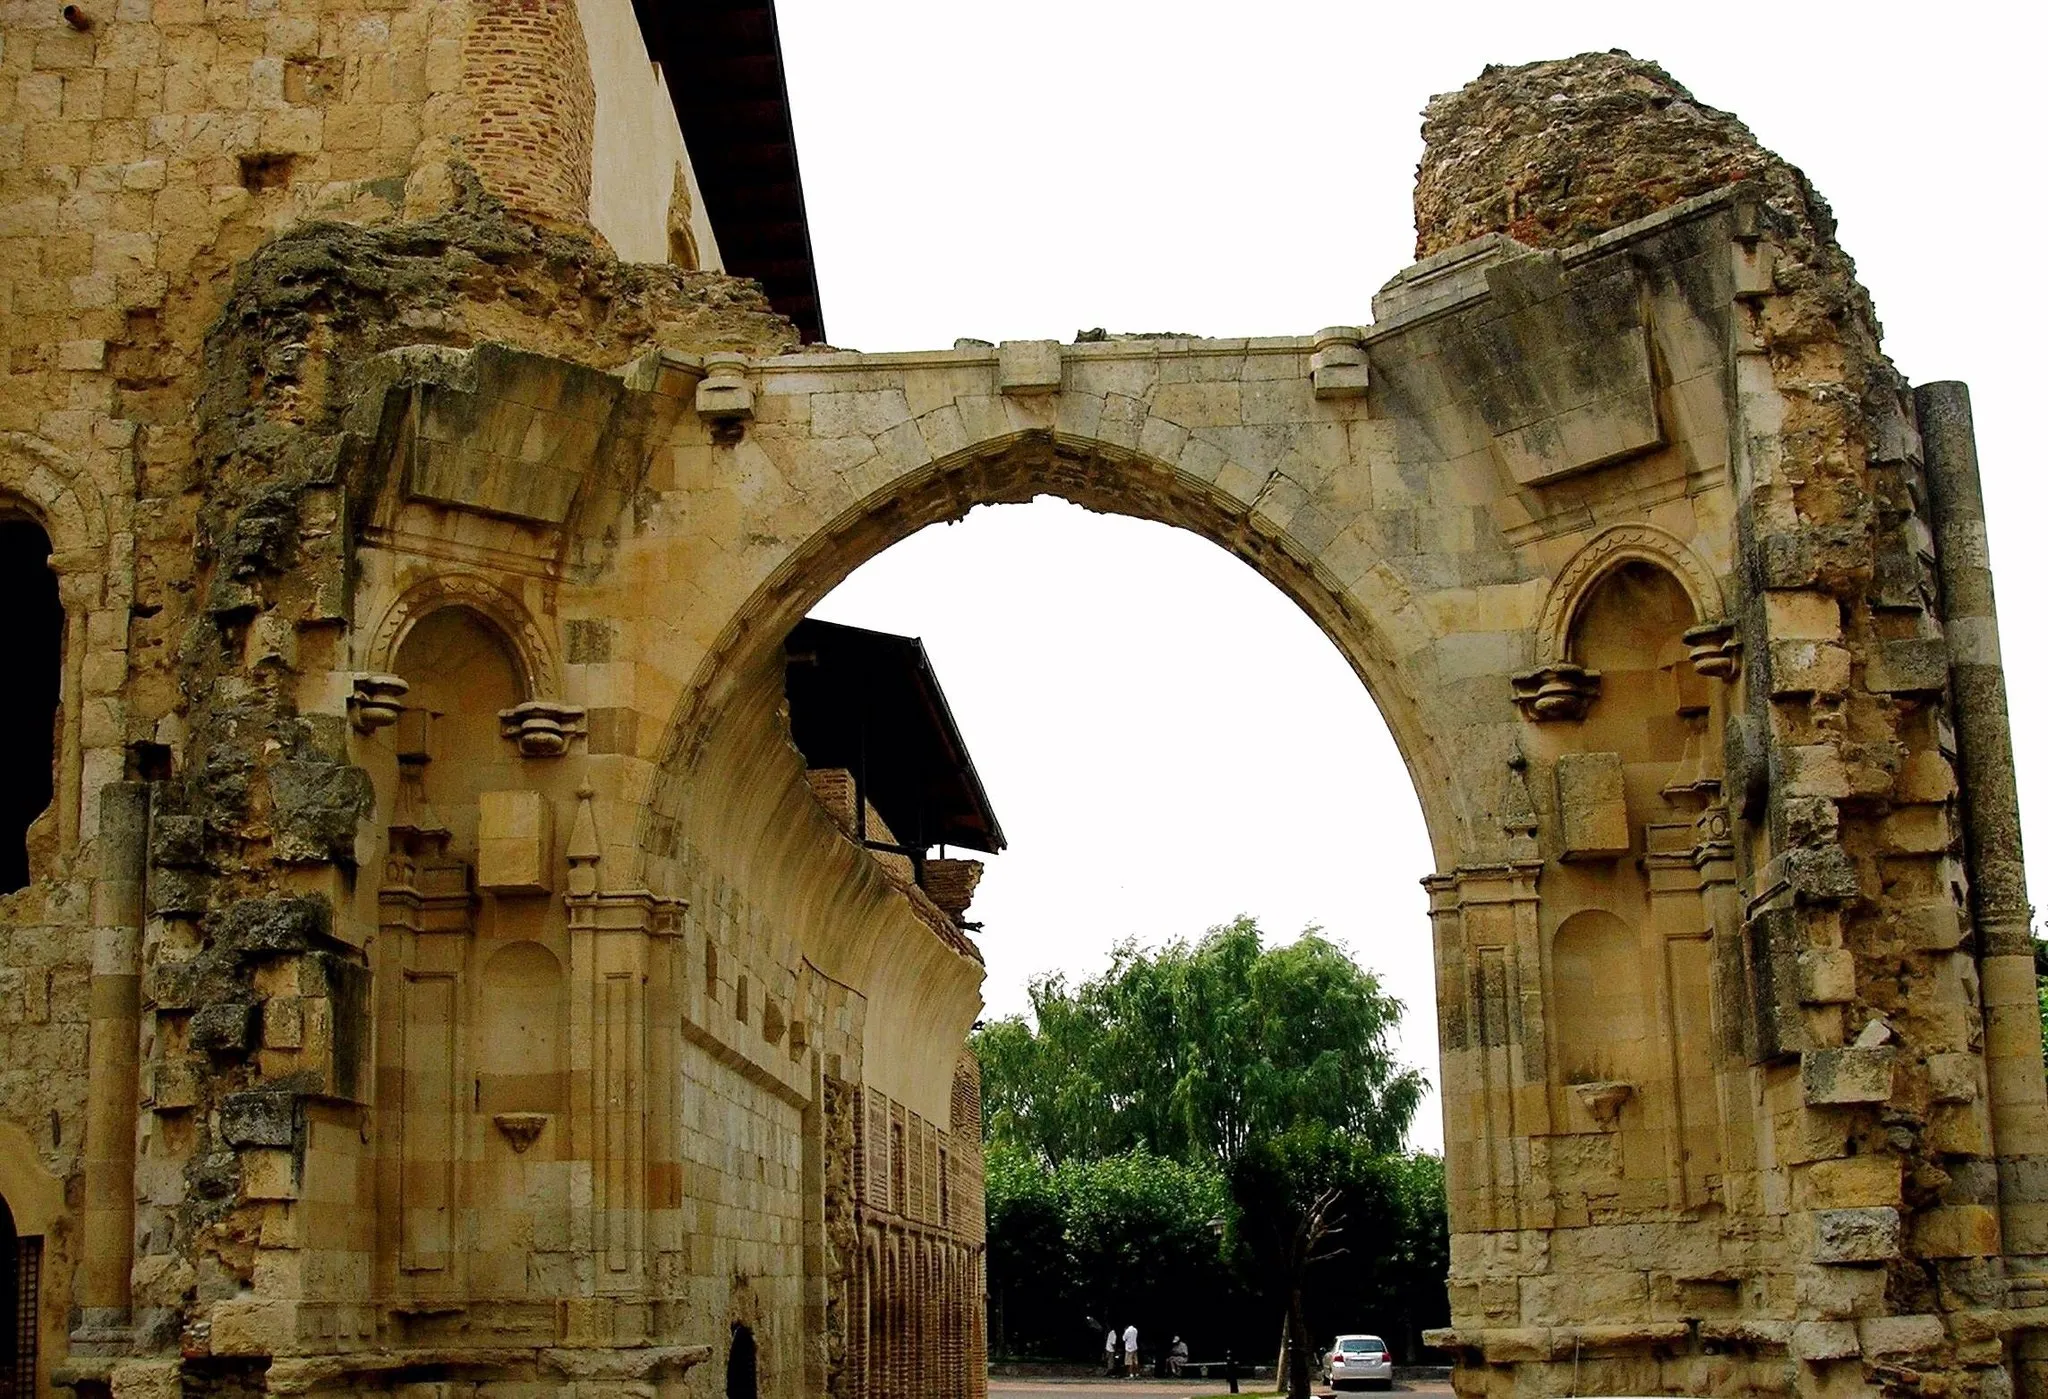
[1018,468]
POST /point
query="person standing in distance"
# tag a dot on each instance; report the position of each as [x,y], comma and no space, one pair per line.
[1131,1350]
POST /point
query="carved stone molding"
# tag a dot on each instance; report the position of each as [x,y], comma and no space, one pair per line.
[521,1129]
[1604,1099]
[1713,649]
[724,398]
[1561,690]
[373,701]
[1338,368]
[542,728]
[1600,556]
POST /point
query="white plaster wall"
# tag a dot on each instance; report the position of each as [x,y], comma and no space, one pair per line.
[637,146]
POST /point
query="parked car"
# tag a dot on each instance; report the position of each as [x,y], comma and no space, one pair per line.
[1360,1360]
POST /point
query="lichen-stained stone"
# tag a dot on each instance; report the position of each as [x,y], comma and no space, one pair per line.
[1850,1075]
[1855,1235]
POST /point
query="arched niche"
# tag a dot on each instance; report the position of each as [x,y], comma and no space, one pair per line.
[461,672]
[531,657]
[1630,629]
[522,1028]
[1599,1017]
[1612,550]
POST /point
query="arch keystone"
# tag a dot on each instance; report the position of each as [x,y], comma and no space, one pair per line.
[1028,366]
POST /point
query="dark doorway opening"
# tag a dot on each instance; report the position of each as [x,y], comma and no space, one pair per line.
[32,640]
[741,1380]
[21,1267]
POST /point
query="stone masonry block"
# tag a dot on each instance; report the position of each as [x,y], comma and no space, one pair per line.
[1590,806]
[269,1174]
[1908,666]
[259,1118]
[1884,1336]
[1849,1075]
[1827,976]
[1825,1340]
[1855,1235]
[1952,1078]
[1832,1293]
[1824,874]
[1808,668]
[1956,1231]
[1848,1182]
[515,846]
[224,1027]
[1802,615]
[1028,366]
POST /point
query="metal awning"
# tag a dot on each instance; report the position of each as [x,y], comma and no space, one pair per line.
[867,701]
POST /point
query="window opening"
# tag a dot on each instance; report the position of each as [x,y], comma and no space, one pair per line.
[32,638]
[741,1379]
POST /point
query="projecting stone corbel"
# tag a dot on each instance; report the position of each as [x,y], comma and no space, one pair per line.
[724,398]
[521,1129]
[1338,368]
[373,701]
[542,727]
[1560,690]
[1714,650]
[1604,1099]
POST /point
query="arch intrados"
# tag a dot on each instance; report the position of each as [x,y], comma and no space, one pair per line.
[1018,469]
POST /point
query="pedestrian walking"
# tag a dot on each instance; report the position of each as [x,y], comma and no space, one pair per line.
[1131,1350]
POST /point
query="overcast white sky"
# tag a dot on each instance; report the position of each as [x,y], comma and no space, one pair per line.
[1166,739]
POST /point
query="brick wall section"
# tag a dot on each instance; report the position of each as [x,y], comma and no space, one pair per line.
[527,74]
[918,1322]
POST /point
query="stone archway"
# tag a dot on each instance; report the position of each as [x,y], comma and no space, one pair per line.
[1448,530]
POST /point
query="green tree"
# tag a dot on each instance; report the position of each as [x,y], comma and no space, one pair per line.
[1291,1193]
[1196,1050]
[1129,1237]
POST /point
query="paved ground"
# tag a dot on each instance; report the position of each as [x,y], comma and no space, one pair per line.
[1169,1389]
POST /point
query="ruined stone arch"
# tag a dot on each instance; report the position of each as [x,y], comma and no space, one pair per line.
[1102,476]
[534,659]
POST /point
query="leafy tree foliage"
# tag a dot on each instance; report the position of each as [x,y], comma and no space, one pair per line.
[1196,1050]
[1344,1239]
[1202,1140]
[1129,1238]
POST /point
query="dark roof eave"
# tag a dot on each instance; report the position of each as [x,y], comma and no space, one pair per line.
[726,77]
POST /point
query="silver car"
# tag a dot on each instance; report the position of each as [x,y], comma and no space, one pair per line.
[1360,1360]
